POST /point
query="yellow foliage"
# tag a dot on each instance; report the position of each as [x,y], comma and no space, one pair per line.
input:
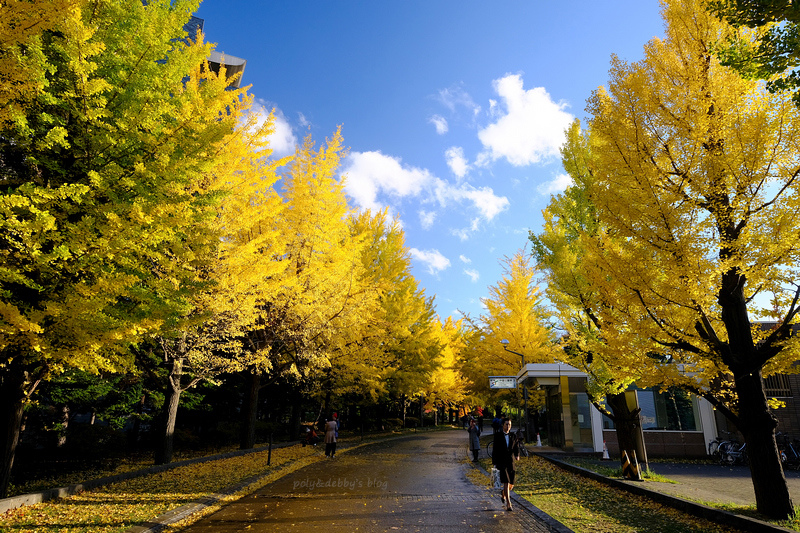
[515,313]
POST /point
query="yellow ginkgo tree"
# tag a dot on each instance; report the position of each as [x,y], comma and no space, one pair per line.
[317,293]
[696,190]
[107,186]
[515,312]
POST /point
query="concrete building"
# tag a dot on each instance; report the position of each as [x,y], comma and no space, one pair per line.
[234,66]
[676,424]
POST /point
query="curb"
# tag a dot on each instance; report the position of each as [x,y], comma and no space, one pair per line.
[695,509]
[549,521]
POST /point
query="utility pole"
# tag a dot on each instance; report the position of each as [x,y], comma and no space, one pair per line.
[505,344]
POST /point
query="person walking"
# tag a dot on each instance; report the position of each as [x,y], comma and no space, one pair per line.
[504,452]
[497,424]
[331,434]
[474,439]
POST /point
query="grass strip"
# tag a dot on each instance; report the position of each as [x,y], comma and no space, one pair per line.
[744,510]
[587,506]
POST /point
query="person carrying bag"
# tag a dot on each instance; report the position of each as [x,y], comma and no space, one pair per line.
[505,451]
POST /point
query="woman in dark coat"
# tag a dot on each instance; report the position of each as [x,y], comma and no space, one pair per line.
[331,434]
[505,451]
[474,440]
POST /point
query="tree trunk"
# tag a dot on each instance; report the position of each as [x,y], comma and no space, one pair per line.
[628,428]
[297,411]
[12,401]
[247,435]
[164,451]
[758,427]
[133,434]
[63,426]
[755,420]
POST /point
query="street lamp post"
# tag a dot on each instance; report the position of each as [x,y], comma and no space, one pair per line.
[505,344]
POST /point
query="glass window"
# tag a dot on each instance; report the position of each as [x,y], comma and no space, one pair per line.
[647,403]
[674,410]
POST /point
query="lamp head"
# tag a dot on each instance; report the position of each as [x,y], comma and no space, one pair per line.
[504,342]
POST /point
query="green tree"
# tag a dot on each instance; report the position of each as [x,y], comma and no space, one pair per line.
[695,186]
[107,168]
[774,54]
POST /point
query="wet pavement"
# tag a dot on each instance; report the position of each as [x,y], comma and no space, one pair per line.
[413,483]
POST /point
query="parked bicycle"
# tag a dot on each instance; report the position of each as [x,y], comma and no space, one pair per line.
[789,450]
[523,451]
[732,453]
[713,447]
[727,451]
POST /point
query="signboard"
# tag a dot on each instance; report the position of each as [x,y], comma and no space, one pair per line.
[502,382]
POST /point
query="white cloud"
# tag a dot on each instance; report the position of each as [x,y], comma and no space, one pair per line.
[302,120]
[456,161]
[282,141]
[372,173]
[473,274]
[465,259]
[434,260]
[427,218]
[456,97]
[373,176]
[531,130]
[462,234]
[556,185]
[488,204]
[440,123]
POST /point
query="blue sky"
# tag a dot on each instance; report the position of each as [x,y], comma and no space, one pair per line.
[453,111]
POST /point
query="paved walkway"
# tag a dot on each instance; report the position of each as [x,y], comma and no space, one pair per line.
[704,482]
[414,483]
[715,483]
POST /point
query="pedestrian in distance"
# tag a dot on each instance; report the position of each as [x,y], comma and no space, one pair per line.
[497,424]
[474,440]
[311,437]
[331,435]
[505,451]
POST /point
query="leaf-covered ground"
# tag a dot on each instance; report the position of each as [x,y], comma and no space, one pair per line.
[116,507]
[587,506]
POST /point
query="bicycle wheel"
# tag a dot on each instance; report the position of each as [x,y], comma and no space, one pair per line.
[726,457]
[713,448]
[489,449]
[743,455]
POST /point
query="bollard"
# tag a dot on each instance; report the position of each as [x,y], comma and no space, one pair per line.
[630,469]
[605,451]
[637,473]
[626,465]
[538,440]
